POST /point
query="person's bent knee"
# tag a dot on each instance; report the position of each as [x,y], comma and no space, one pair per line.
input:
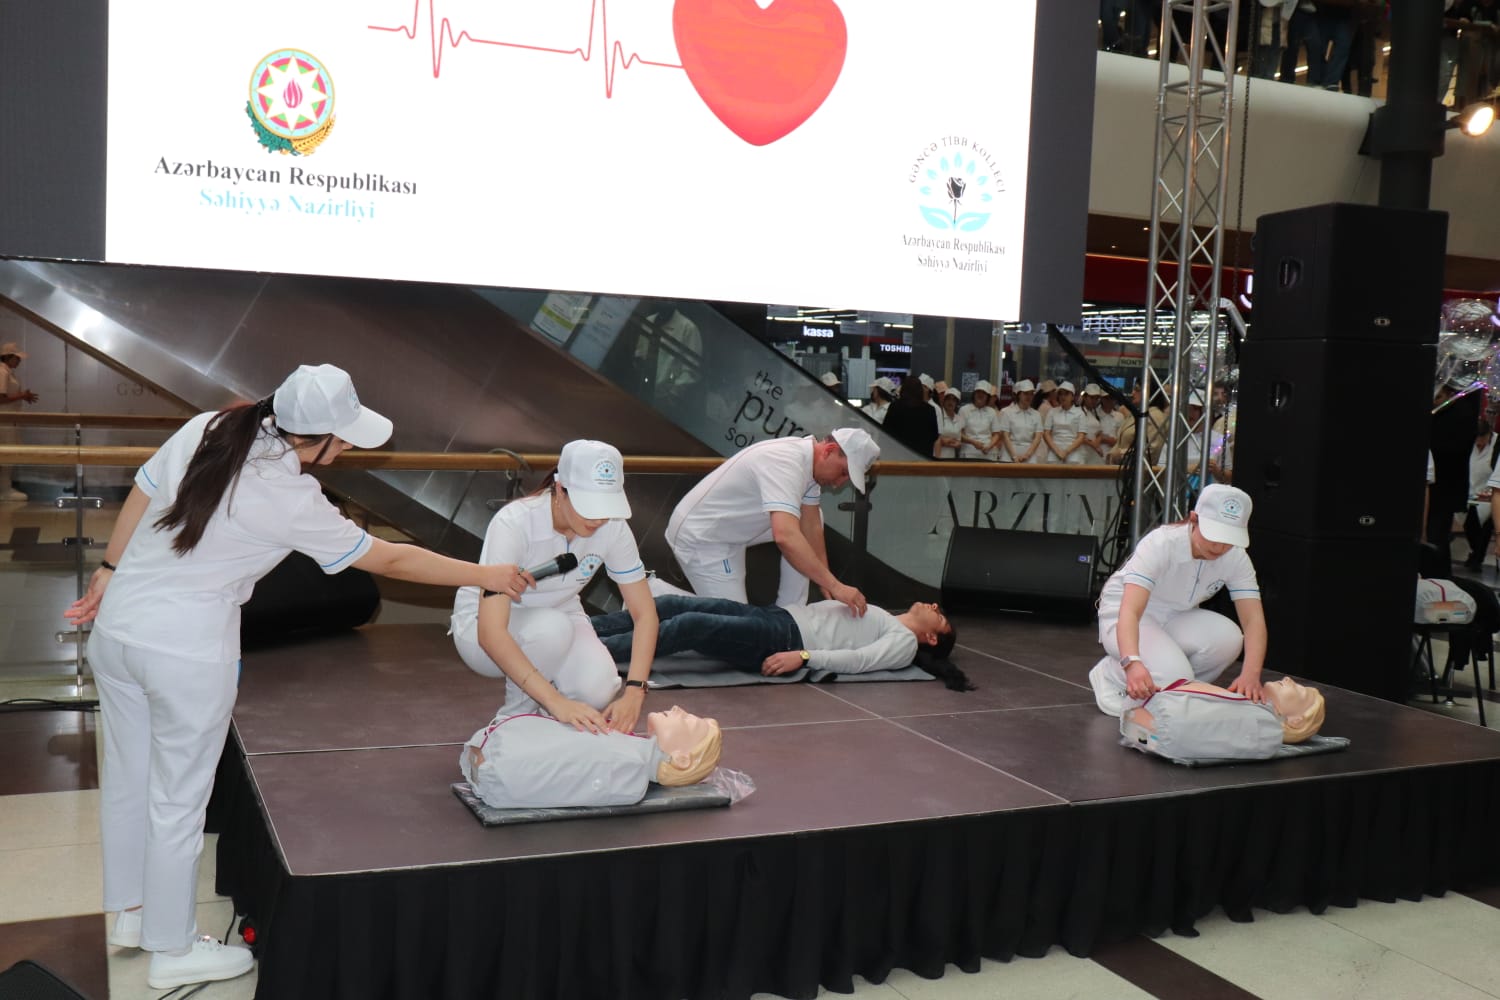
[474,656]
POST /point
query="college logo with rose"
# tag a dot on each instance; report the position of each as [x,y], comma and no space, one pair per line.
[291,102]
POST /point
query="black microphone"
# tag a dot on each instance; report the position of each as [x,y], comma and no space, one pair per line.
[564,563]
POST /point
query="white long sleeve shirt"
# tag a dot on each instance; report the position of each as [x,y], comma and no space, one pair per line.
[836,640]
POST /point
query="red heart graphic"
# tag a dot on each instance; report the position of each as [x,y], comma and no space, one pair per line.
[761,72]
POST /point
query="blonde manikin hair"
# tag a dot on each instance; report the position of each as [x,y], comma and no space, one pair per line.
[1312,721]
[701,761]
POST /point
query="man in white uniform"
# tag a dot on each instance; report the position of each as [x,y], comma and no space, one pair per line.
[1150,625]
[769,491]
[12,395]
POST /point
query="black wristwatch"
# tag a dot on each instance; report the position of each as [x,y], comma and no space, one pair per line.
[636,684]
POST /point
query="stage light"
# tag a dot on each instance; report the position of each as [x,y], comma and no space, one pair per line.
[1475,119]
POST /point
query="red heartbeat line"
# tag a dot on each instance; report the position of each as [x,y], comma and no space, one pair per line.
[441,34]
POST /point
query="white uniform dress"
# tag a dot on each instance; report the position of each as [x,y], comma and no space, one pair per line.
[1110,424]
[1021,427]
[536,762]
[1179,640]
[165,650]
[949,427]
[730,509]
[877,411]
[548,622]
[1090,427]
[978,423]
[1065,426]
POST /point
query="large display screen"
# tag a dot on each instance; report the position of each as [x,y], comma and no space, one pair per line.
[869,154]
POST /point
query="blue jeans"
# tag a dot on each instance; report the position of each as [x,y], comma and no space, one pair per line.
[741,634]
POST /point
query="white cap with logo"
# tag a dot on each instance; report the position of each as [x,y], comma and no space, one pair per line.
[320,399]
[1224,514]
[885,385]
[984,387]
[1092,389]
[861,450]
[1025,385]
[926,380]
[593,473]
[1065,387]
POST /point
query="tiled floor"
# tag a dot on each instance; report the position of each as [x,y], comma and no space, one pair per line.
[50,885]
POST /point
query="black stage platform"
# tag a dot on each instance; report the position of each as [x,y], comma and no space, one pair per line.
[895,825]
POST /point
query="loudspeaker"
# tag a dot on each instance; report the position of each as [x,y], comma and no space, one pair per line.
[1024,570]
[1313,446]
[28,980]
[1349,272]
[1338,611]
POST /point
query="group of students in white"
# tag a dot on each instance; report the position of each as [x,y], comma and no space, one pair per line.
[228,496]
[1065,427]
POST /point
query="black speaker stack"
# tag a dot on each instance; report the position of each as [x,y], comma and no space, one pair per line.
[1335,392]
[1045,572]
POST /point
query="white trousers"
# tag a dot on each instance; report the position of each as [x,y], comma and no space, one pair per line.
[1194,645]
[560,644]
[725,577]
[164,722]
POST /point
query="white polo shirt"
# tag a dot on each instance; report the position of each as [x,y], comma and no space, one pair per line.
[838,641]
[1065,426]
[1163,563]
[522,533]
[949,427]
[189,606]
[731,507]
[1110,423]
[1021,428]
[979,424]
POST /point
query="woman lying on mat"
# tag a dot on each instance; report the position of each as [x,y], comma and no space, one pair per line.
[215,509]
[535,762]
[773,640]
[1193,720]
[542,643]
[1150,624]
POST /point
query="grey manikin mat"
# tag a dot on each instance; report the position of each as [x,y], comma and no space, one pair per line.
[659,798]
[1312,745]
[689,670]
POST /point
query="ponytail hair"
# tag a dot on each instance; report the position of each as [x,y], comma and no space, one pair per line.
[934,660]
[213,472]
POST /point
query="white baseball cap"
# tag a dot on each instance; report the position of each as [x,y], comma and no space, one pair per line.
[1092,389]
[925,379]
[1224,514]
[885,385]
[830,379]
[1048,385]
[1025,385]
[951,391]
[861,450]
[983,386]
[12,348]
[1065,387]
[320,399]
[593,473]
[1195,398]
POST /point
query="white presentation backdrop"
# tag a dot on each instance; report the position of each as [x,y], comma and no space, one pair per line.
[863,153]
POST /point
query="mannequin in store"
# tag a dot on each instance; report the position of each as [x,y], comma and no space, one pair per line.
[536,762]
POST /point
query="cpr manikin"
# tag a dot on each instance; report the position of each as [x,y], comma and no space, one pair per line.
[1191,720]
[535,762]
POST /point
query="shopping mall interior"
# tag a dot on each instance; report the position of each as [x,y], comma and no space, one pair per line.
[1070,275]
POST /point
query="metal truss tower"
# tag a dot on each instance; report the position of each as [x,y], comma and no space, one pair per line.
[1194,102]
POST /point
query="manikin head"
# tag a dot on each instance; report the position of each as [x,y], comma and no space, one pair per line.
[1300,708]
[692,745]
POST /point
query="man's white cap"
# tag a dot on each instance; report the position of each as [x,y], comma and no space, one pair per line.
[12,348]
[320,399]
[1065,387]
[593,473]
[1092,389]
[1025,385]
[885,385]
[1048,385]
[861,450]
[925,379]
[1195,398]
[983,386]
[830,379]
[1224,514]
[951,391]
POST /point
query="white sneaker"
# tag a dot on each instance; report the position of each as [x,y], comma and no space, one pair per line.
[14,494]
[126,932]
[206,962]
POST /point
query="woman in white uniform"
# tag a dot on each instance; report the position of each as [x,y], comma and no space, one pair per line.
[216,508]
[980,424]
[542,643]
[1062,428]
[950,426]
[1091,427]
[1149,621]
[1021,427]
